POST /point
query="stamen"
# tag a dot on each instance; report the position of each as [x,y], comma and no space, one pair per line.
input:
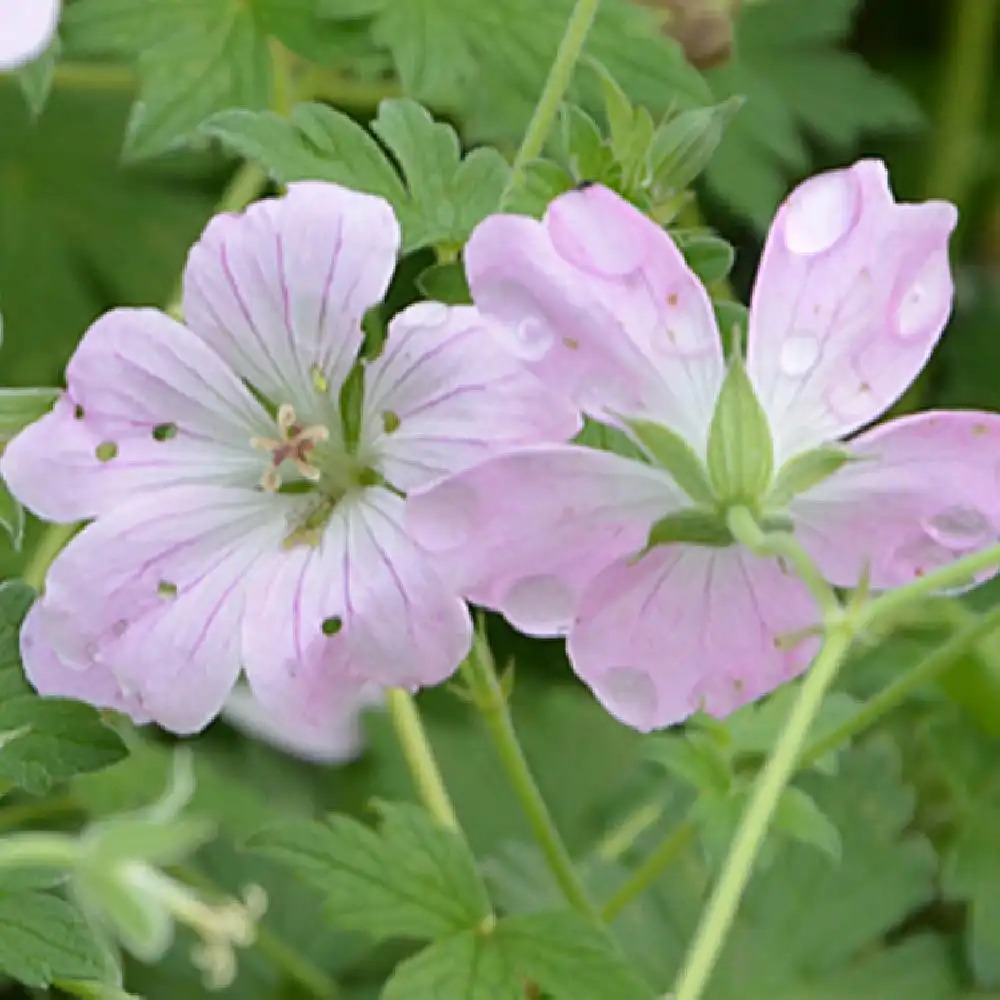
[294,446]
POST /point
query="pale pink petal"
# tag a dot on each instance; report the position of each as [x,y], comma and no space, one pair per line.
[363,605]
[51,674]
[445,394]
[525,532]
[852,294]
[599,302]
[148,404]
[153,594]
[280,290]
[26,30]
[334,740]
[925,492]
[688,628]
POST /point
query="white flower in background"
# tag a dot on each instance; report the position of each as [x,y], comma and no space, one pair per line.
[27,27]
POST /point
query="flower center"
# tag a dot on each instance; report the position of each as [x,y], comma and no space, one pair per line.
[295,446]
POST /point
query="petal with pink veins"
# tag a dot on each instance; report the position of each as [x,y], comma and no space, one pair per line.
[364,605]
[525,532]
[148,405]
[685,629]
[600,303]
[851,297]
[50,674]
[280,290]
[153,593]
[445,394]
[925,491]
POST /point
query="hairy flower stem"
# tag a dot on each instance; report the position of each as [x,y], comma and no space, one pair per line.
[720,910]
[556,84]
[420,758]
[480,674]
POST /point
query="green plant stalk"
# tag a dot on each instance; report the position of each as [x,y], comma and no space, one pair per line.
[962,89]
[33,811]
[42,850]
[556,84]
[488,697]
[724,900]
[927,669]
[783,545]
[670,849]
[420,758]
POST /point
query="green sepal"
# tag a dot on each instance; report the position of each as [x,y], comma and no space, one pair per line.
[805,471]
[740,450]
[681,148]
[671,452]
[692,526]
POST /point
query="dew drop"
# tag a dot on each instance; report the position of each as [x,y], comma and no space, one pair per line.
[820,213]
[851,399]
[390,421]
[332,625]
[960,528]
[164,432]
[799,355]
[924,302]
[533,339]
[106,451]
[166,589]
[540,605]
[428,313]
[629,694]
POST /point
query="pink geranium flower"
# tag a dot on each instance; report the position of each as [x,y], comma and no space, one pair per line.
[851,296]
[26,30]
[249,514]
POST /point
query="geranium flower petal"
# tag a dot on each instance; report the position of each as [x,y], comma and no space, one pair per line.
[925,491]
[363,605]
[153,593]
[445,394]
[686,629]
[26,30]
[332,740]
[280,290]
[148,404]
[601,305]
[51,674]
[523,533]
[852,294]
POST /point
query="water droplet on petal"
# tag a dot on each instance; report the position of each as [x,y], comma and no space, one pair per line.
[799,355]
[533,339]
[923,304]
[444,517]
[596,231]
[960,528]
[541,605]
[630,695]
[820,213]
[428,313]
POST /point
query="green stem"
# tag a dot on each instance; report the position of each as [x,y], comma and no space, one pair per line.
[957,574]
[931,666]
[671,848]
[420,758]
[42,850]
[544,115]
[488,696]
[720,910]
[783,545]
[617,841]
[962,90]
